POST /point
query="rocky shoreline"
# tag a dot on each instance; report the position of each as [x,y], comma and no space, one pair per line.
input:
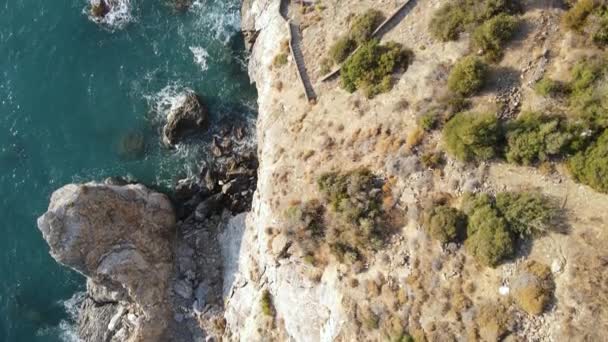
[153,262]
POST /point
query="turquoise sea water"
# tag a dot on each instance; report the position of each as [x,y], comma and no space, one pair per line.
[70,90]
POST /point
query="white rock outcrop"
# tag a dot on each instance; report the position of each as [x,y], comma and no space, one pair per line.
[119,237]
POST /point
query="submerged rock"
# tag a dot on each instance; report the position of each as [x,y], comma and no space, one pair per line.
[181,5]
[189,116]
[119,237]
[132,145]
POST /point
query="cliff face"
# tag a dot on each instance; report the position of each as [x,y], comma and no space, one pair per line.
[120,238]
[412,284]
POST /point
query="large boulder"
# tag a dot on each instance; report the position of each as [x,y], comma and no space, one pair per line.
[189,116]
[120,238]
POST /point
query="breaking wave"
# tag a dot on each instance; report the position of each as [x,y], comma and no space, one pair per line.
[118,17]
[200,57]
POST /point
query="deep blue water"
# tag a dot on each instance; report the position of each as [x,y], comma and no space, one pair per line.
[70,90]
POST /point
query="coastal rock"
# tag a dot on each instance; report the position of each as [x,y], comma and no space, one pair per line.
[209,206]
[187,117]
[185,189]
[119,237]
[181,5]
[99,8]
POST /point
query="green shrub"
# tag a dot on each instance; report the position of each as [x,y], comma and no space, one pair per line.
[454,103]
[305,223]
[403,338]
[343,191]
[371,67]
[590,166]
[494,224]
[467,76]
[341,49]
[363,25]
[527,213]
[279,60]
[600,34]
[534,138]
[458,16]
[448,22]
[492,35]
[588,97]
[472,202]
[576,17]
[488,237]
[549,87]
[355,200]
[431,160]
[445,224]
[428,121]
[472,136]
[266,303]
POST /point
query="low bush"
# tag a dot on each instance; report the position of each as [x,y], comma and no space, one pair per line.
[349,193]
[600,33]
[589,18]
[445,224]
[589,92]
[533,287]
[355,199]
[453,103]
[266,303]
[496,223]
[414,138]
[472,136]
[534,138]
[467,76]
[371,67]
[492,321]
[448,22]
[362,26]
[576,17]
[306,224]
[492,35]
[527,213]
[279,60]
[488,238]
[458,16]
[549,87]
[590,166]
[341,49]
[429,120]
[431,160]
[325,66]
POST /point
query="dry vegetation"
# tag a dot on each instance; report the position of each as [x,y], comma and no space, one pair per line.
[437,277]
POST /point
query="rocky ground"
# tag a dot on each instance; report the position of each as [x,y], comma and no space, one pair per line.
[231,268]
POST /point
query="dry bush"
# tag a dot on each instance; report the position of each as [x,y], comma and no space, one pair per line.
[414,138]
[533,287]
[492,320]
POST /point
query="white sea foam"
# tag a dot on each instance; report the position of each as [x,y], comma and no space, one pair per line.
[165,100]
[200,57]
[224,20]
[119,16]
[67,330]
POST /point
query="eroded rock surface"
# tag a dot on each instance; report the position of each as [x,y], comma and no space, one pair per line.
[120,238]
